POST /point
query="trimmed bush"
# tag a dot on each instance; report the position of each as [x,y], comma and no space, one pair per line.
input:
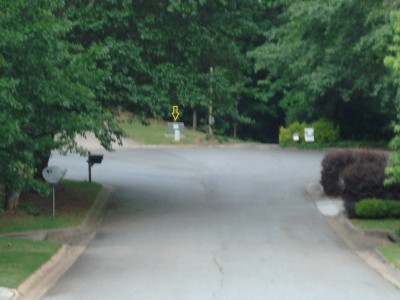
[360,181]
[377,209]
[336,161]
[371,209]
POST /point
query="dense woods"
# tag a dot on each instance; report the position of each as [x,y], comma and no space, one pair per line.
[66,67]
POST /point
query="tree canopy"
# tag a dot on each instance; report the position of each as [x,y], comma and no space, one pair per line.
[67,66]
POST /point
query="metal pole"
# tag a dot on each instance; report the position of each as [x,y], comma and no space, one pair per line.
[90,172]
[90,168]
[54,202]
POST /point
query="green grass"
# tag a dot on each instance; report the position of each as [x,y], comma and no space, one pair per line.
[20,258]
[387,224]
[73,202]
[339,144]
[154,133]
[391,253]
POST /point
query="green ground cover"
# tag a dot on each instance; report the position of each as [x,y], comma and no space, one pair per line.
[391,253]
[154,133]
[339,144]
[20,258]
[386,224]
[73,201]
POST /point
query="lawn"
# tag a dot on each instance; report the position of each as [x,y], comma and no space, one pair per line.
[73,201]
[20,258]
[386,224]
[392,253]
[154,133]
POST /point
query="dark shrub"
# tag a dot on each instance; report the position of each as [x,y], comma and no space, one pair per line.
[360,181]
[371,209]
[336,161]
[393,209]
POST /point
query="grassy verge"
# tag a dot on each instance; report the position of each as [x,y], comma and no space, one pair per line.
[339,144]
[154,132]
[387,224]
[73,201]
[20,258]
[391,253]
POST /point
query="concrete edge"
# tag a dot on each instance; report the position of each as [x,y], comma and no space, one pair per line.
[368,232]
[44,278]
[374,259]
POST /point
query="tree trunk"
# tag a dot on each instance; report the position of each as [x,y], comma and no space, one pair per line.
[234,130]
[194,119]
[12,200]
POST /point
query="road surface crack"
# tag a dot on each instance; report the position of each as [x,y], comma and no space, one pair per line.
[219,267]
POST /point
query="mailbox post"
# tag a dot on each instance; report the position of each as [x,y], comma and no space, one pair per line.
[93,159]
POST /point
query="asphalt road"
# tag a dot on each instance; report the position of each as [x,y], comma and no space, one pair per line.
[214,223]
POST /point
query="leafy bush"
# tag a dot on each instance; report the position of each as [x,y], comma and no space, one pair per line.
[374,208]
[336,161]
[325,131]
[393,209]
[371,209]
[286,134]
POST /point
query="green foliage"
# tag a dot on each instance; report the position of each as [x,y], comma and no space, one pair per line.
[286,135]
[393,63]
[19,258]
[371,209]
[47,90]
[378,209]
[325,59]
[324,131]
[159,53]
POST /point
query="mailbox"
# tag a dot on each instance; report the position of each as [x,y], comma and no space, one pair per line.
[93,159]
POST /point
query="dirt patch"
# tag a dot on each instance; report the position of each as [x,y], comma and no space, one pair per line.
[73,201]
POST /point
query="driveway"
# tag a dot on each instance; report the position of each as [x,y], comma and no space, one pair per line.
[214,223]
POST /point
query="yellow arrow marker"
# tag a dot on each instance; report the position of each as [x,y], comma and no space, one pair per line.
[175,112]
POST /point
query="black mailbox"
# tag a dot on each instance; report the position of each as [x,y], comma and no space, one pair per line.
[93,159]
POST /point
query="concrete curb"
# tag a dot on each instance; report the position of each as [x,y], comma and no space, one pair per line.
[367,232]
[75,241]
[371,257]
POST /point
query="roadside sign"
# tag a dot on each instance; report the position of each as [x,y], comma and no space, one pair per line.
[309,134]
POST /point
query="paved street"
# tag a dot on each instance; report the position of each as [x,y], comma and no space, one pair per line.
[214,223]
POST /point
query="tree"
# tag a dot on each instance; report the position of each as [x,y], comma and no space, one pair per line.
[325,59]
[48,94]
[392,61]
[160,52]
